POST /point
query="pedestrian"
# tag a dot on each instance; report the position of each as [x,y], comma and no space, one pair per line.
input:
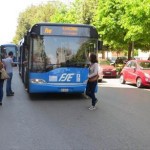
[8,64]
[92,80]
[1,84]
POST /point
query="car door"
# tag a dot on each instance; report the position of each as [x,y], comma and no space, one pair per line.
[126,71]
[133,70]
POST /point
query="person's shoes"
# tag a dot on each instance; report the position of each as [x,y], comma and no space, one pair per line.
[0,103]
[10,94]
[92,108]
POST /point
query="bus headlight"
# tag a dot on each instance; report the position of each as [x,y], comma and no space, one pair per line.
[37,81]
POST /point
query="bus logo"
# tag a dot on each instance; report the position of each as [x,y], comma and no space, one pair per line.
[66,77]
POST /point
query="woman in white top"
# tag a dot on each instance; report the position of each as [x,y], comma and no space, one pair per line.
[91,85]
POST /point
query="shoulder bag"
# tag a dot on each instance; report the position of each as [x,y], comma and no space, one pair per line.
[3,74]
[93,79]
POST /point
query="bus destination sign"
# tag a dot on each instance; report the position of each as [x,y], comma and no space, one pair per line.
[65,30]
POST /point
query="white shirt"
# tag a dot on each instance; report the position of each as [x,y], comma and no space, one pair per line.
[93,70]
[8,62]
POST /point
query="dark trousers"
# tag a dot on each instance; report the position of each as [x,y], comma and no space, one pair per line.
[1,89]
[90,91]
[8,84]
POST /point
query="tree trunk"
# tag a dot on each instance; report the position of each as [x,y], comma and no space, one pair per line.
[129,51]
[103,54]
[133,50]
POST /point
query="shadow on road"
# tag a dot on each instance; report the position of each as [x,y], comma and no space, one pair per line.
[56,96]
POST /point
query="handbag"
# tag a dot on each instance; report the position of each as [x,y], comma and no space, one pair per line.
[93,79]
[3,74]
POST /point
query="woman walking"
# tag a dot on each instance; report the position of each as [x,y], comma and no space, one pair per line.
[92,80]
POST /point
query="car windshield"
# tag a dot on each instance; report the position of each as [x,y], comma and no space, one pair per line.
[121,60]
[145,65]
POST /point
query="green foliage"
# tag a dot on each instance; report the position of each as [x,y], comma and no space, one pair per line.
[64,15]
[119,22]
[33,15]
[122,22]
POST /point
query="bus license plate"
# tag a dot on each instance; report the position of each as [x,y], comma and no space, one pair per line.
[64,90]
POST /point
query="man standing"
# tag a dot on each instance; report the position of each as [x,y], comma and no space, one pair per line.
[8,64]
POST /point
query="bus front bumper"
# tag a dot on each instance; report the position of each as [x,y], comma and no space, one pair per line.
[57,88]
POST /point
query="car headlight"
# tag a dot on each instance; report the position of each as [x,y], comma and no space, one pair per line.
[147,75]
[38,81]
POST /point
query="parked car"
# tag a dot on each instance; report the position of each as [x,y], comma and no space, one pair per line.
[108,69]
[137,72]
[112,60]
[121,60]
[100,72]
[119,63]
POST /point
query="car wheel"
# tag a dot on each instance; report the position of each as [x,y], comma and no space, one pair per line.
[139,82]
[122,80]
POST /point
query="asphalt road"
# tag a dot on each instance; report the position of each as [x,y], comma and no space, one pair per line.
[63,122]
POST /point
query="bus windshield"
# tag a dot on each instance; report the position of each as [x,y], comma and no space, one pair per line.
[51,52]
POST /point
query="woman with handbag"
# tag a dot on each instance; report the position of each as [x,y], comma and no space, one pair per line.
[92,80]
[1,83]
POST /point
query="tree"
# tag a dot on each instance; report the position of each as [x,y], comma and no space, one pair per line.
[85,10]
[124,23]
[33,15]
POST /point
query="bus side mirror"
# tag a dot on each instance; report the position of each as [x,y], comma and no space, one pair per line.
[100,45]
[33,35]
[25,40]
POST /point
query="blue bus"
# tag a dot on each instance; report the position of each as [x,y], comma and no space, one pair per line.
[21,58]
[6,48]
[54,57]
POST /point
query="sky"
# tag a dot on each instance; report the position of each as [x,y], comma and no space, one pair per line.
[9,13]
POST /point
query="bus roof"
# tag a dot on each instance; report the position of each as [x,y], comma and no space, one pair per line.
[36,27]
[62,24]
[8,44]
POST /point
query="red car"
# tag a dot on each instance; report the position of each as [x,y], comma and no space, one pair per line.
[137,72]
[108,69]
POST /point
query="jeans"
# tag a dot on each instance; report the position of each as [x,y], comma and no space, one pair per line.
[1,89]
[90,91]
[8,84]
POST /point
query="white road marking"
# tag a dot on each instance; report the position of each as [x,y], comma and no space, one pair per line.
[116,83]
